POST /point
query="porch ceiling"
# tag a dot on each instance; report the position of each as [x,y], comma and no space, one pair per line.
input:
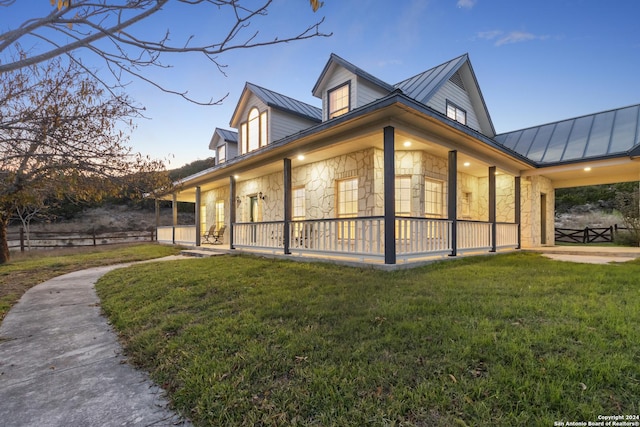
[610,171]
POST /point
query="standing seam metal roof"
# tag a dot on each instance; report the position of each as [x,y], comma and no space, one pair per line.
[276,100]
[603,134]
[423,86]
[227,135]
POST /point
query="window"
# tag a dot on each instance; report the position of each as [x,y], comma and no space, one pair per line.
[433,197]
[253,132]
[298,204]
[347,207]
[219,213]
[465,208]
[203,219]
[222,154]
[403,195]
[456,113]
[338,100]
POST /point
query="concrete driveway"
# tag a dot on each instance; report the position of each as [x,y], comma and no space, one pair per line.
[61,363]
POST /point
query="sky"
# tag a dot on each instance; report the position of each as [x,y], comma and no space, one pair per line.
[536,61]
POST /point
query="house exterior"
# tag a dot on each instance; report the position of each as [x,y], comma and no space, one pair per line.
[391,173]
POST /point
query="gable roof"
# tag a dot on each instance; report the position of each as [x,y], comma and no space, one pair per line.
[423,86]
[224,135]
[280,102]
[336,60]
[612,133]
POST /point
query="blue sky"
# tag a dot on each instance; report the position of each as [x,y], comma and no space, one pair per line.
[535,61]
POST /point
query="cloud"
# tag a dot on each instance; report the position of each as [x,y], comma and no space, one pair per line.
[509,38]
[466,4]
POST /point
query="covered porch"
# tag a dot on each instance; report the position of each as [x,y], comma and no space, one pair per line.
[259,210]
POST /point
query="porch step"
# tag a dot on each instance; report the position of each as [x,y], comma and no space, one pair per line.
[200,253]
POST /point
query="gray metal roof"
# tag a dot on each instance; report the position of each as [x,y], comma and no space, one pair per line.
[282,102]
[355,70]
[423,86]
[227,135]
[605,134]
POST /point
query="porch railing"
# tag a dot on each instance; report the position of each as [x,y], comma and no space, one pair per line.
[361,237]
[420,236]
[354,236]
[506,235]
[259,235]
[473,235]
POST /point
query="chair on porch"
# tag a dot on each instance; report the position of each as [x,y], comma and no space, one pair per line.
[218,237]
[209,235]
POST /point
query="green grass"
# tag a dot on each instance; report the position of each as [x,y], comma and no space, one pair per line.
[513,339]
[29,269]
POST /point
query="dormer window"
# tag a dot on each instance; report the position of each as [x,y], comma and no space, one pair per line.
[338,100]
[253,132]
[222,154]
[456,113]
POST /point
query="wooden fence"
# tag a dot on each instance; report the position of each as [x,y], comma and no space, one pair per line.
[587,234]
[50,240]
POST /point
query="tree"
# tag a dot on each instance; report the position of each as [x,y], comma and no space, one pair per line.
[628,204]
[62,135]
[108,29]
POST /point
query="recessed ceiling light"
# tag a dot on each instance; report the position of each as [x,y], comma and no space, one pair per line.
[236,176]
[300,157]
[407,144]
[467,164]
[587,169]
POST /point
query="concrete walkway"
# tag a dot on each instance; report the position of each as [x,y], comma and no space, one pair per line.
[61,363]
[589,254]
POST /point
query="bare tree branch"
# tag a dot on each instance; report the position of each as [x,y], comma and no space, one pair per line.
[87,24]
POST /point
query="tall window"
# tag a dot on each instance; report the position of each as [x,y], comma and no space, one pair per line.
[219,213]
[348,198]
[347,207]
[298,204]
[456,113]
[465,206]
[433,197]
[203,219]
[338,99]
[403,195]
[222,154]
[253,132]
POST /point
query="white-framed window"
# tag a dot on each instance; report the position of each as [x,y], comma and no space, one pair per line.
[203,219]
[219,214]
[338,100]
[253,132]
[456,113]
[221,154]
[433,198]
[347,207]
[403,195]
[298,204]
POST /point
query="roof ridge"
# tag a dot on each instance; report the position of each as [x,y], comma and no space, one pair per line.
[430,69]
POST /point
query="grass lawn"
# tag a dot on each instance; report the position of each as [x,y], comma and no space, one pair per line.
[506,340]
[31,268]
